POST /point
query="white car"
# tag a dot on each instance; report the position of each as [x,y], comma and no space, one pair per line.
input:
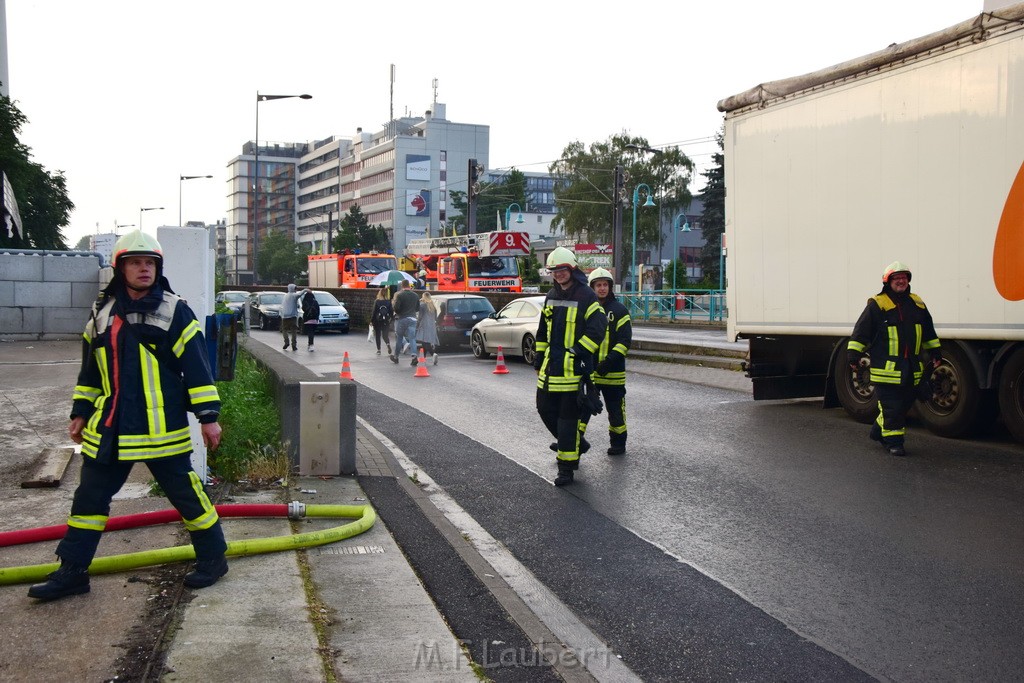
[333,314]
[513,328]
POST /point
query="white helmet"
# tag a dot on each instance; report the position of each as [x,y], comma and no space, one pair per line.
[138,243]
[893,268]
[600,274]
[560,256]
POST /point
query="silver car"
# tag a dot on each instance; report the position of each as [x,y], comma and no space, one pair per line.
[513,328]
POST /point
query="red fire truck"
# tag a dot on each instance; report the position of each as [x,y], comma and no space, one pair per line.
[348,270]
[482,262]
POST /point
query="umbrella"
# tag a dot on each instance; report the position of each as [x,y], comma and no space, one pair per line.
[391,277]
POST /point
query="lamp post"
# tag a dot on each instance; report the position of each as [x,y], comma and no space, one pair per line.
[636,200]
[508,215]
[122,225]
[256,177]
[675,248]
[148,208]
[180,179]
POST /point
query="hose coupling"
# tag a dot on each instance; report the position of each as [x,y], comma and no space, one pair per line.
[296,510]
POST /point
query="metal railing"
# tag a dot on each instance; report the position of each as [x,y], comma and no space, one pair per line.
[690,304]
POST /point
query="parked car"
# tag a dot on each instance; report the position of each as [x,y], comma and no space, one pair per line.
[456,315]
[265,310]
[513,328]
[233,300]
[333,314]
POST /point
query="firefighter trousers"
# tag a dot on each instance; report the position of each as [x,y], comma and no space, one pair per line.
[560,413]
[614,397]
[100,481]
[894,402]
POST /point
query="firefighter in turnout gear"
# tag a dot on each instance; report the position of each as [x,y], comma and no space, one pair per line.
[571,328]
[144,365]
[896,331]
[610,370]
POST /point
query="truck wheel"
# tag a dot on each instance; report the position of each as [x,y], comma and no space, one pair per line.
[956,404]
[529,349]
[1011,394]
[854,388]
[476,342]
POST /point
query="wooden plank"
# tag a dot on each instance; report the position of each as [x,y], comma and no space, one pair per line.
[51,469]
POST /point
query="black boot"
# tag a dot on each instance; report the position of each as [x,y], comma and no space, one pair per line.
[70,579]
[617,444]
[564,477]
[206,572]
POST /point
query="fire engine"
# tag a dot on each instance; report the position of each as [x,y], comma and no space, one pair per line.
[348,270]
[481,262]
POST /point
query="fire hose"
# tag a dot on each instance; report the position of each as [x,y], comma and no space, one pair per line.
[364,514]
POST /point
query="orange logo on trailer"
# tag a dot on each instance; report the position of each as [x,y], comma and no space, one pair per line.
[1008,253]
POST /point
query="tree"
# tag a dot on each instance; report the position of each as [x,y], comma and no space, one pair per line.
[281,258]
[584,182]
[677,266]
[83,243]
[42,197]
[713,220]
[357,233]
[493,200]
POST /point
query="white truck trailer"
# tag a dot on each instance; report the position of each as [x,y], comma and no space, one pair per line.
[913,153]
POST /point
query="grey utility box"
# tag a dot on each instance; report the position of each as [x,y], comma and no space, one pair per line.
[327,435]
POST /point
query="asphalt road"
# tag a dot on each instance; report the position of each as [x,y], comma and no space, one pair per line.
[736,539]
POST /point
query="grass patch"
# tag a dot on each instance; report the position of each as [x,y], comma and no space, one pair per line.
[250,447]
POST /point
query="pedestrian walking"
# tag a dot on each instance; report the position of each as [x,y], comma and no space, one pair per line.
[610,371]
[310,316]
[571,328]
[290,317]
[144,365]
[426,328]
[381,317]
[894,330]
[407,305]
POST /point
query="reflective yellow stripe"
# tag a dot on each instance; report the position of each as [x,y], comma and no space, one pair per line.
[149,369]
[621,348]
[209,516]
[854,345]
[933,344]
[203,394]
[894,340]
[85,393]
[917,338]
[88,522]
[191,330]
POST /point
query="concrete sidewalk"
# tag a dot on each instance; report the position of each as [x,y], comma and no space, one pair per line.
[354,605]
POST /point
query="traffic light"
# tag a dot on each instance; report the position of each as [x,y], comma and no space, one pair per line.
[474,173]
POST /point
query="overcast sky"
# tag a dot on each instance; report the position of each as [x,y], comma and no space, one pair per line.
[126,96]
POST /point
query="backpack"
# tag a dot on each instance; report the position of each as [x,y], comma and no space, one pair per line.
[310,308]
[382,314]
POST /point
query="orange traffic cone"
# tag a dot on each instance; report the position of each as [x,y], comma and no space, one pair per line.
[500,368]
[421,366]
[346,369]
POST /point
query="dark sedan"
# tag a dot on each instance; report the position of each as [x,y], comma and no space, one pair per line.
[265,310]
[456,315]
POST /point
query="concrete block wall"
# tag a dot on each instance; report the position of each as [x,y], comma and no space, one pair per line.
[46,296]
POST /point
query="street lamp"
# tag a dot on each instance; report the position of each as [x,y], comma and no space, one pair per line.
[508,215]
[122,225]
[181,178]
[256,177]
[675,248]
[148,208]
[636,200]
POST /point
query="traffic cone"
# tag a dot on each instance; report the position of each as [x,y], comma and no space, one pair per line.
[346,369]
[421,366]
[500,368]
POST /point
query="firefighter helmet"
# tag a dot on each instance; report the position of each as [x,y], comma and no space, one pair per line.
[895,267]
[138,243]
[561,257]
[600,274]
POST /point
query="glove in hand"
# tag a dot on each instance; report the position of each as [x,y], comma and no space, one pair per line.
[602,368]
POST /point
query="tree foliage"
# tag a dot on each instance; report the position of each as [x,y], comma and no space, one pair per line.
[493,201]
[713,220]
[42,197]
[585,178]
[281,258]
[357,233]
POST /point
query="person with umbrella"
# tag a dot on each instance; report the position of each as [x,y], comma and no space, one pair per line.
[406,304]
